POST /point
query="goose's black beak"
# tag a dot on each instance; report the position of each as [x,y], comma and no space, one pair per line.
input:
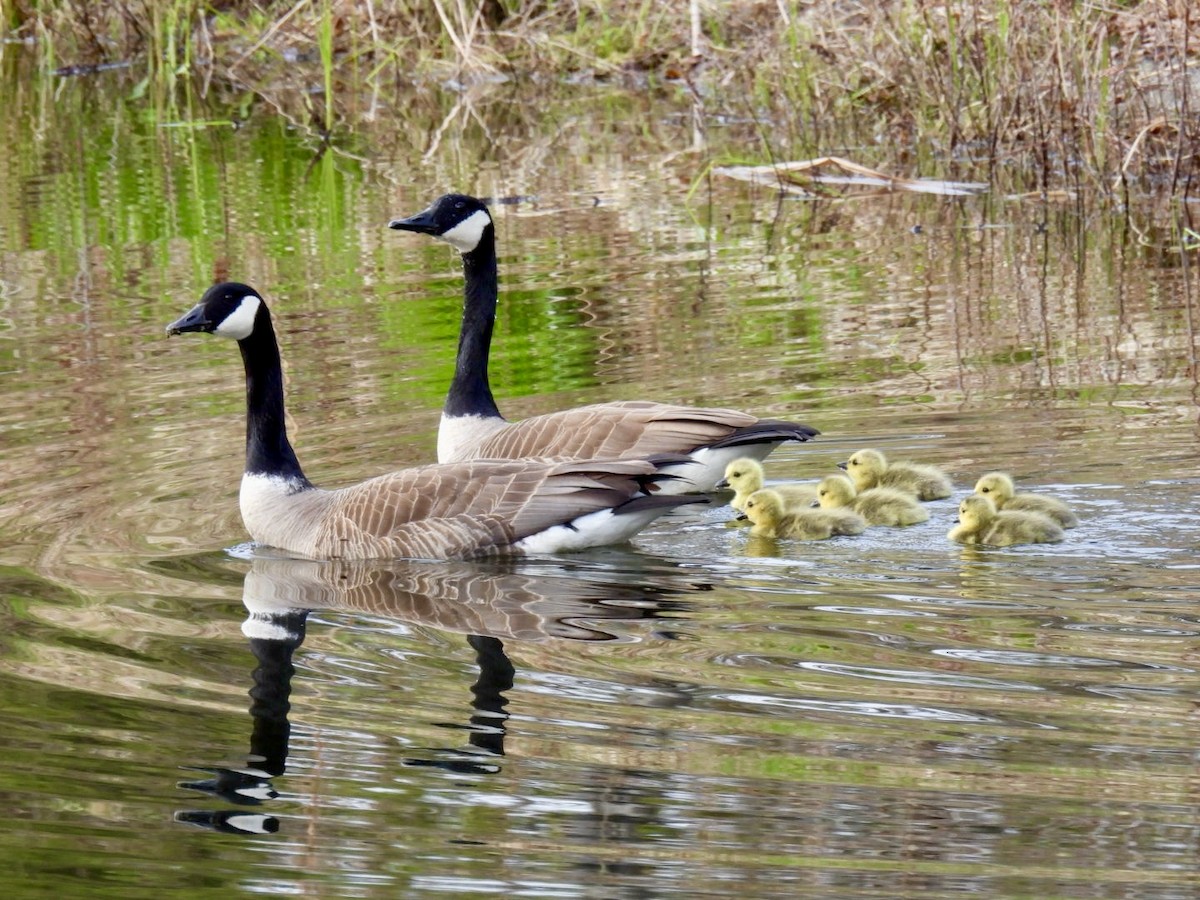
[195,319]
[422,223]
[843,465]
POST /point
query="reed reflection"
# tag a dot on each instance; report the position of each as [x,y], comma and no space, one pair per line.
[489,602]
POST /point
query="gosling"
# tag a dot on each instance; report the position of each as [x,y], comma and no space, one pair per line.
[746,476]
[998,487]
[981,523]
[878,505]
[770,518]
[870,468]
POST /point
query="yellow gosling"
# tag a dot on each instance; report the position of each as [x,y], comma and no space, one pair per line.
[770,518]
[998,487]
[746,476]
[979,522]
[878,505]
[870,468]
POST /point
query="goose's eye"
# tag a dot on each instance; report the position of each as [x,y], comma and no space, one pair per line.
[459,205]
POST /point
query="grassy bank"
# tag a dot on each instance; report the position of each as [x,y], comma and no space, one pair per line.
[1097,96]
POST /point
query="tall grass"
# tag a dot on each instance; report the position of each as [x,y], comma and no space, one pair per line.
[1068,95]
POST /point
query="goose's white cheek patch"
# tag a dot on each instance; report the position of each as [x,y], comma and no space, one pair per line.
[465,236]
[240,323]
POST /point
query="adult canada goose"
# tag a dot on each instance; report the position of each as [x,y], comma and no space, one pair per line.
[878,505]
[771,518]
[981,523]
[746,475]
[998,487]
[432,512]
[870,468]
[472,427]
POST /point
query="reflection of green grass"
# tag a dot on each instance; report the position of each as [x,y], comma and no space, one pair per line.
[1070,96]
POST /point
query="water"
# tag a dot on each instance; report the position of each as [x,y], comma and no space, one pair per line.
[699,714]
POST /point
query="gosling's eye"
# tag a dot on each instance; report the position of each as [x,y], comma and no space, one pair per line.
[986,489]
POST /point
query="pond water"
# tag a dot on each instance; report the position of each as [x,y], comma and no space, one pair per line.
[697,714]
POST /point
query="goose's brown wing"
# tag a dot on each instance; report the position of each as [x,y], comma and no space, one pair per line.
[631,428]
[468,508]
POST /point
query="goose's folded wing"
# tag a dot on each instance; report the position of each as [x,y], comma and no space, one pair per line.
[630,428]
[463,508]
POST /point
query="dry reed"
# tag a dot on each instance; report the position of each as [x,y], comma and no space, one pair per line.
[1094,96]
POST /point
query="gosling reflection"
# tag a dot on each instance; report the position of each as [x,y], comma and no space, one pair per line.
[487,602]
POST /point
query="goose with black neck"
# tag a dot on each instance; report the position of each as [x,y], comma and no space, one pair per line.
[473,428]
[458,510]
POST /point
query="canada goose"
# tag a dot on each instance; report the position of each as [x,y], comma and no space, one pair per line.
[443,511]
[472,427]
[878,505]
[981,523]
[998,487]
[771,518]
[870,468]
[746,475]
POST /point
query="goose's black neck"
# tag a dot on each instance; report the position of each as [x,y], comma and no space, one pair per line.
[268,451]
[470,393]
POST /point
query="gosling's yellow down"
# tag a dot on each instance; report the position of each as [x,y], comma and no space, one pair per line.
[765,508]
[746,476]
[979,522]
[998,487]
[870,468]
[878,505]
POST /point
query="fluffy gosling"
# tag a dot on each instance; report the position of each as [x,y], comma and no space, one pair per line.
[870,468]
[771,518]
[878,505]
[746,476]
[998,487]
[979,522]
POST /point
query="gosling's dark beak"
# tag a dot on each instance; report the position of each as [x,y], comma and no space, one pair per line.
[742,517]
[422,223]
[723,483]
[195,319]
[842,465]
[815,504]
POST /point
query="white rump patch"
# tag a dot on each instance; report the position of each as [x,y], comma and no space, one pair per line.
[596,529]
[465,236]
[710,467]
[240,323]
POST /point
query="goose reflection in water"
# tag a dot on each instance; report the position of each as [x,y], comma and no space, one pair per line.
[488,604]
